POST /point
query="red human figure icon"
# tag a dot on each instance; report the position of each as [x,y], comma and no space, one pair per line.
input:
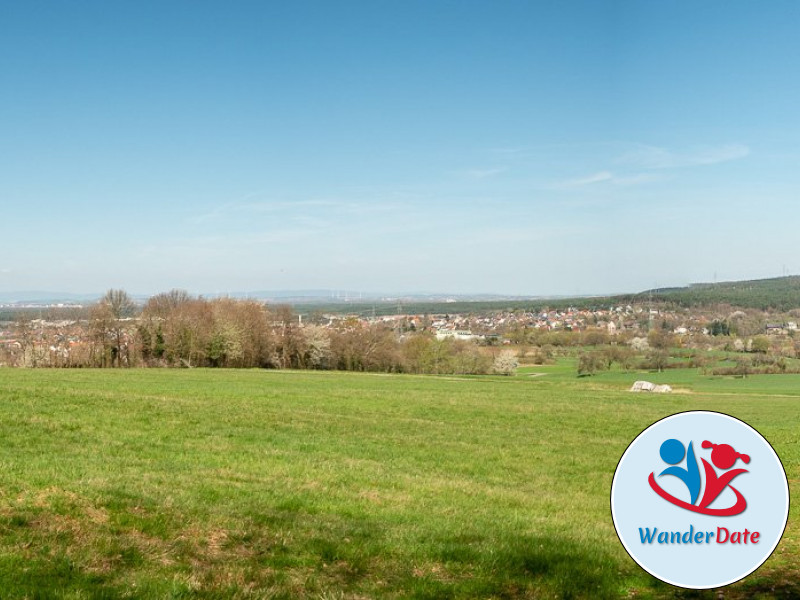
[724,457]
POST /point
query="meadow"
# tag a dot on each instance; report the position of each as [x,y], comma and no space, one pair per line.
[156,483]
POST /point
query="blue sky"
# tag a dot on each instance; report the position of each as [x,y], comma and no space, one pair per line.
[461,146]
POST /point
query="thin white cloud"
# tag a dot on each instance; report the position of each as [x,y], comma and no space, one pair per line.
[249,207]
[231,245]
[483,173]
[499,236]
[592,179]
[277,206]
[654,157]
[647,161]
[507,150]
[636,179]
[609,178]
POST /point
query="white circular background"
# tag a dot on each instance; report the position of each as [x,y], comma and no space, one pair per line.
[635,505]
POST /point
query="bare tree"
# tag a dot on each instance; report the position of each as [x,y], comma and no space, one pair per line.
[25,338]
[111,319]
[165,304]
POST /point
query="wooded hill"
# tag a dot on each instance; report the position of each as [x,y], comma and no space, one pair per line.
[779,293]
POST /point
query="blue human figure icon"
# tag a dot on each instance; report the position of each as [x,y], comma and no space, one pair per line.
[672,452]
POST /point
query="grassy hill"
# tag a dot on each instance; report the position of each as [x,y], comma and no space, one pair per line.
[257,484]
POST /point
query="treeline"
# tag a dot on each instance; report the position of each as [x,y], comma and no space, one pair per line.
[778,293]
[175,329]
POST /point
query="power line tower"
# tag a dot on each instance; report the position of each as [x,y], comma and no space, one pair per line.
[398,329]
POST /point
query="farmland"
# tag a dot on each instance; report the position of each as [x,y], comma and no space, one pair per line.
[283,484]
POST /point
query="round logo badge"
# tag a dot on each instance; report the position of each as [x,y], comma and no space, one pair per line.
[700,499]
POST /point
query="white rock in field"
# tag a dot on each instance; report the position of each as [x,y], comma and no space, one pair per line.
[642,386]
[646,386]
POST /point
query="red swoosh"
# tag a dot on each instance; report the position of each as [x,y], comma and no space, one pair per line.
[737,508]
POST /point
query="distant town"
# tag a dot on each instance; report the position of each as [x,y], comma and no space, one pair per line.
[424,335]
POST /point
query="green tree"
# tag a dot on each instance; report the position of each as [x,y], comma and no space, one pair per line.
[657,359]
[622,355]
[145,342]
[718,327]
[744,366]
[760,344]
[660,339]
[590,363]
[160,346]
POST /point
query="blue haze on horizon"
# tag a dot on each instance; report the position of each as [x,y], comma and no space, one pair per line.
[513,147]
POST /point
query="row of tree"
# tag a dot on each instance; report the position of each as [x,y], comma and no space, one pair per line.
[180,330]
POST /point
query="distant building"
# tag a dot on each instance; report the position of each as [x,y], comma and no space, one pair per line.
[776,329]
[458,334]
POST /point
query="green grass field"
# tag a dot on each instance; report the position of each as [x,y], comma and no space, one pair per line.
[257,484]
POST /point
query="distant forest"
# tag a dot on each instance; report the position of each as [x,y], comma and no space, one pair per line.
[779,294]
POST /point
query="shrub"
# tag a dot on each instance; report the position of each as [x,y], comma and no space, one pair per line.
[590,363]
[506,363]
